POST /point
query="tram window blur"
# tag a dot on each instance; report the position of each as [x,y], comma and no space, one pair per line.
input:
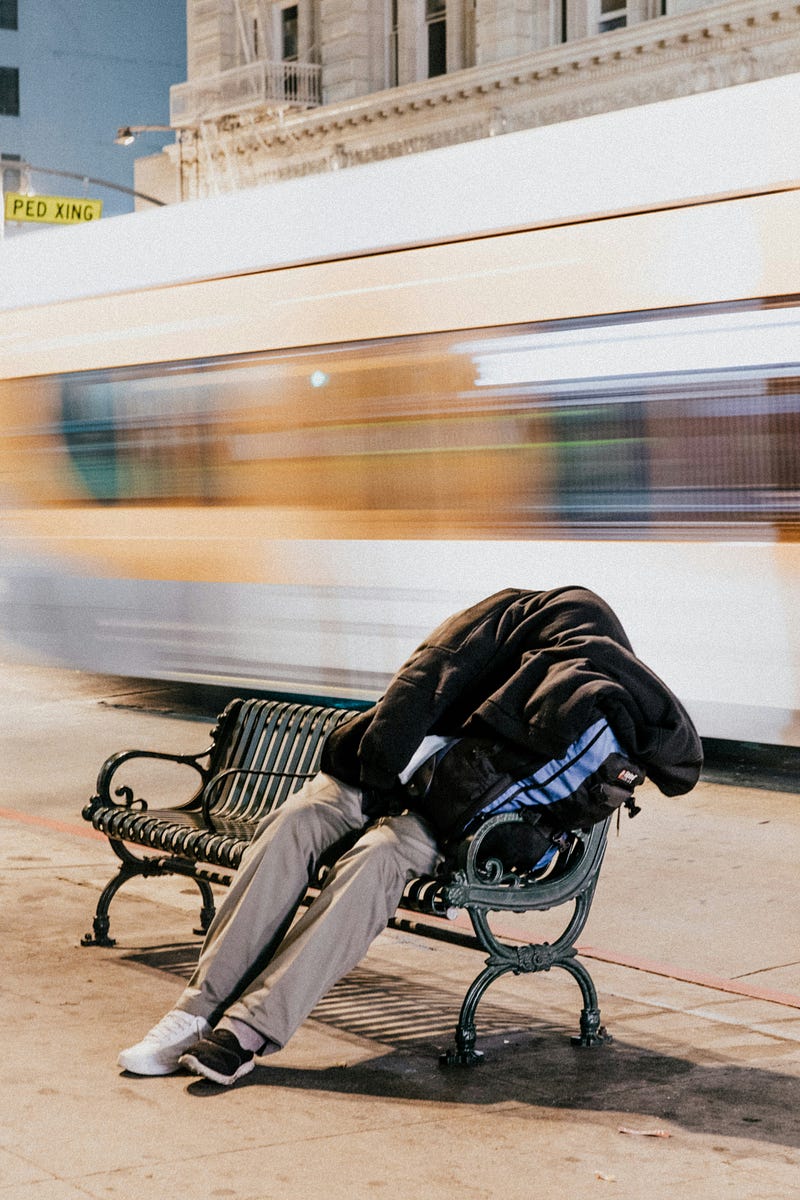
[651,420]
[140,438]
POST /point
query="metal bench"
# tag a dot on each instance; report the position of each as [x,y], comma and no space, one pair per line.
[261,751]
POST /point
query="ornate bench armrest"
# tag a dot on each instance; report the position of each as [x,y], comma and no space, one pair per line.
[477,878]
[112,764]
[222,777]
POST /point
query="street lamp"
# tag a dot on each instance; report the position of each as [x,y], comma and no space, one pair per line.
[127,134]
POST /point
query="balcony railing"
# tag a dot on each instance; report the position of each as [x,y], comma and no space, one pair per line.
[257,85]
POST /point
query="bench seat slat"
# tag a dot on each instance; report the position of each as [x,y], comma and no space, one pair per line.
[271,736]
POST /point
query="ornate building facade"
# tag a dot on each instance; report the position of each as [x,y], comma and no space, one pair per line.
[278,89]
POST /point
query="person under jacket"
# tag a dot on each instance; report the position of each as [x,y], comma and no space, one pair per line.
[533,669]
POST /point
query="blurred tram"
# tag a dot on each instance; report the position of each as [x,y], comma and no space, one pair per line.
[235,457]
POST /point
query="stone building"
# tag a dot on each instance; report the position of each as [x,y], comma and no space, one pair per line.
[278,89]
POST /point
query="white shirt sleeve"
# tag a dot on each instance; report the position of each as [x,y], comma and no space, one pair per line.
[427,747]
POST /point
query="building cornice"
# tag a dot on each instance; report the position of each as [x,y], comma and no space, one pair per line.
[731,43]
[734,24]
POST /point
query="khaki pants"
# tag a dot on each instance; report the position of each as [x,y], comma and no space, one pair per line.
[253,966]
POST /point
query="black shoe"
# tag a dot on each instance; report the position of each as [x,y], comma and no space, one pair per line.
[219,1057]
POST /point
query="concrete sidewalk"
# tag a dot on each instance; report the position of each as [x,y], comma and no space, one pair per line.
[695,947]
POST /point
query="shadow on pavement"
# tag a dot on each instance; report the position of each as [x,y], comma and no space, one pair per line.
[527,1062]
[723,1101]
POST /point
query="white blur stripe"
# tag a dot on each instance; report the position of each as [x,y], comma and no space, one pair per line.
[132,333]
[708,144]
[640,347]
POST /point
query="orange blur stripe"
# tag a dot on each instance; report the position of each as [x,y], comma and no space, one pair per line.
[716,983]
[680,974]
[707,981]
[49,823]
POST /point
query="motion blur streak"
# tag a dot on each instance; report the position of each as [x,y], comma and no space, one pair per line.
[285,478]
[693,421]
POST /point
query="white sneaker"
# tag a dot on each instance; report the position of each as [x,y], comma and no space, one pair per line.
[159,1051]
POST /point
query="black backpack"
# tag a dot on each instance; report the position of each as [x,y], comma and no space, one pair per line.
[473,779]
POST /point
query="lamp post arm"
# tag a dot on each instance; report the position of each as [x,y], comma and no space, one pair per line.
[117,187]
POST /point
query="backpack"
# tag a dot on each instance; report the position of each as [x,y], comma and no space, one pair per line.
[474,779]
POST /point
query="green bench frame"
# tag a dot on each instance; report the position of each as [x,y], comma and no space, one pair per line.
[261,751]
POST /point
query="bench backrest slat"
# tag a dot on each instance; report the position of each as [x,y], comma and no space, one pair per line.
[269,735]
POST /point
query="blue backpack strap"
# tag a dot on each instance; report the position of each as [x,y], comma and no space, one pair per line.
[591,779]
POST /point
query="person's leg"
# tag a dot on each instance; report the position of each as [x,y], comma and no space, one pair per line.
[253,916]
[264,896]
[356,903]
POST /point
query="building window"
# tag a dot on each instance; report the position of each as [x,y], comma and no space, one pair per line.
[393,48]
[613,15]
[436,24]
[289,33]
[8,14]
[9,91]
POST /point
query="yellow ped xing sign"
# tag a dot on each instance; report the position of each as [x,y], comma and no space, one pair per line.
[54,210]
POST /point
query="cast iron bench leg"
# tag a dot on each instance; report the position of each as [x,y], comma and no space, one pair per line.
[592,1033]
[527,959]
[130,867]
